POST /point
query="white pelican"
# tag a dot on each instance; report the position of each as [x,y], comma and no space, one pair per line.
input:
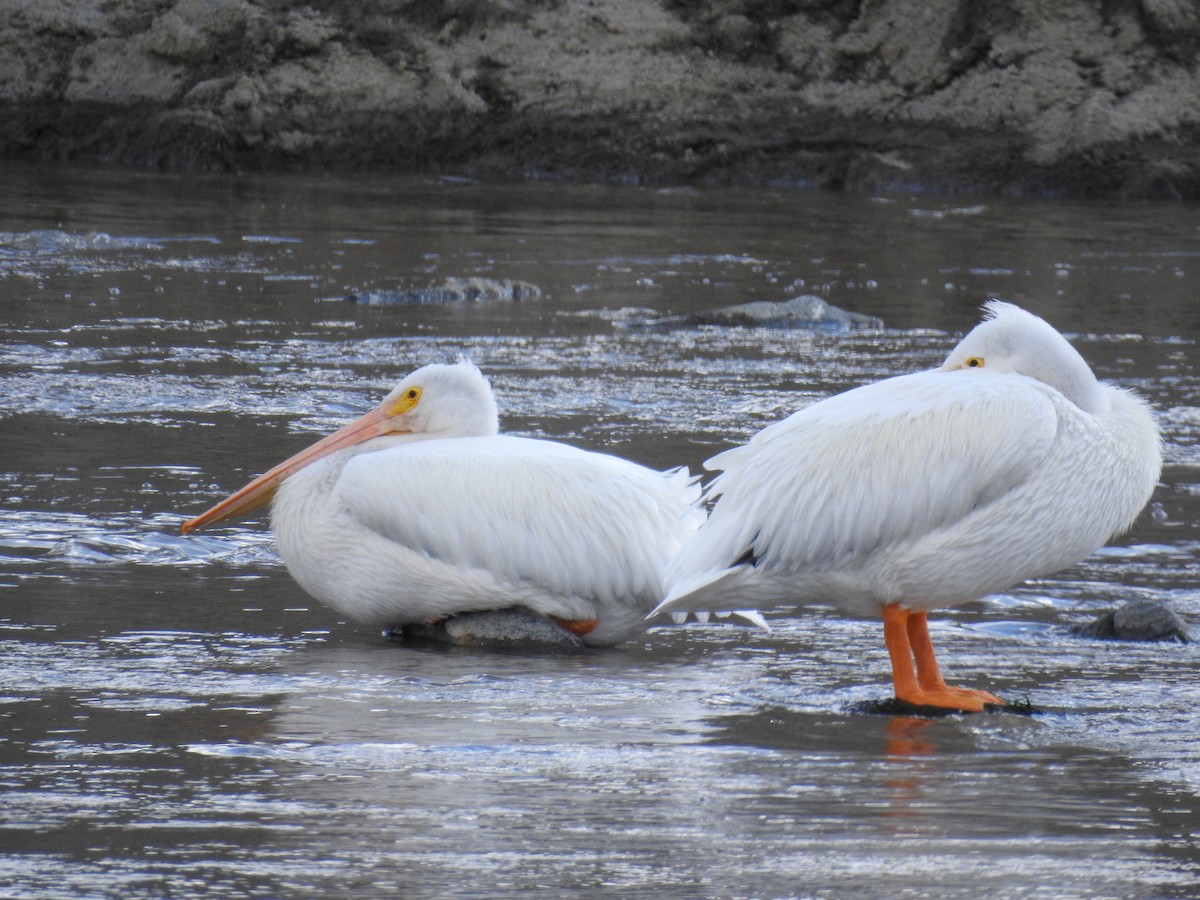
[420,510]
[927,490]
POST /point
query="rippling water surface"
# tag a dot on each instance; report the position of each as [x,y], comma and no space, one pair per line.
[177,718]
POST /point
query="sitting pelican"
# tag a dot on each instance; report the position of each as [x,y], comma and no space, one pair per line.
[924,491]
[420,510]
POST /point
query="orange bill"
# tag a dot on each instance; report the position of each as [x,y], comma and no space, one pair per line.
[258,492]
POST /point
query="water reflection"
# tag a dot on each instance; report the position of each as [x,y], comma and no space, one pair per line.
[905,737]
[175,714]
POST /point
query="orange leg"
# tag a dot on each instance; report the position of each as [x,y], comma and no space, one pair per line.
[578,627]
[915,673]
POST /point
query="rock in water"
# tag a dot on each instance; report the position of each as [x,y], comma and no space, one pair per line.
[502,629]
[891,706]
[803,312]
[452,290]
[1137,620]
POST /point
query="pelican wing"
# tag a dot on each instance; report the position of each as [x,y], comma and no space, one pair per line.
[527,511]
[882,464]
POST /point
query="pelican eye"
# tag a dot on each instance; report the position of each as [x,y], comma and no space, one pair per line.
[406,401]
[974,362]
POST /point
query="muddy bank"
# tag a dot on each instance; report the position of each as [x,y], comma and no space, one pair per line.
[1079,98]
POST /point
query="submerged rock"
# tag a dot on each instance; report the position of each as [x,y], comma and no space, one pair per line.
[891,706]
[501,629]
[1137,620]
[805,312]
[452,290]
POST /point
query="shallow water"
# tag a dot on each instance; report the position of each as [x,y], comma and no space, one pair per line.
[177,718]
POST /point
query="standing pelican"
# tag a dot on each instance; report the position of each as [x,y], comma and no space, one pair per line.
[420,510]
[925,491]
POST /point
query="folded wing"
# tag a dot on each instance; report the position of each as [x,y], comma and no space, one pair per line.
[863,471]
[536,512]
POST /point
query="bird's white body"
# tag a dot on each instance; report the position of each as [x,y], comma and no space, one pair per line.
[420,510]
[425,529]
[927,490]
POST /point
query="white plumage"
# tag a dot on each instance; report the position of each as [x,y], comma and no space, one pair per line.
[925,491]
[420,510]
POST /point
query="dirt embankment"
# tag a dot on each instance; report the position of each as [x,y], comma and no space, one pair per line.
[1083,98]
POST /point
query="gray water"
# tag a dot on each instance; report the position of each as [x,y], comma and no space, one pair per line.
[177,719]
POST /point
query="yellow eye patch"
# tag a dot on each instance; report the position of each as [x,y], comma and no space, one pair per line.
[405,401]
[974,362]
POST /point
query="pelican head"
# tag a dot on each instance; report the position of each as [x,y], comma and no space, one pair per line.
[442,401]
[439,401]
[1011,340]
